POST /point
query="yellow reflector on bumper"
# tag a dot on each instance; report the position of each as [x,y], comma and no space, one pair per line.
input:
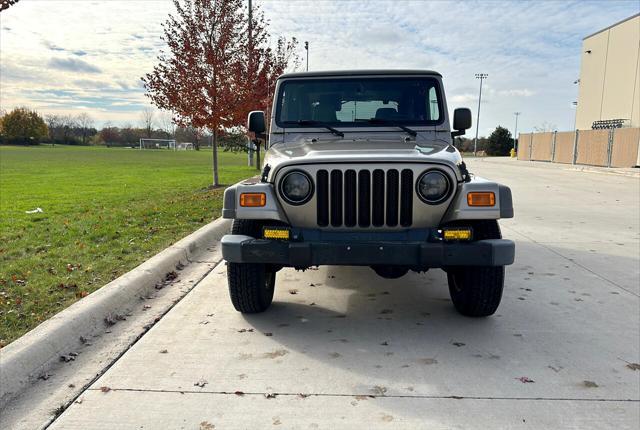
[481,199]
[276,233]
[457,234]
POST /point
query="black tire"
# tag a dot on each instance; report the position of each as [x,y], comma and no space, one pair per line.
[251,285]
[477,291]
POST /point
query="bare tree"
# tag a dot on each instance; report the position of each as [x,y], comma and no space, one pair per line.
[84,123]
[67,124]
[53,124]
[147,117]
[167,124]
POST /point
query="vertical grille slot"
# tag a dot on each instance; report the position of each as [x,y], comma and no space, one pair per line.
[350,195]
[336,198]
[392,197]
[406,198]
[364,198]
[377,214]
[322,184]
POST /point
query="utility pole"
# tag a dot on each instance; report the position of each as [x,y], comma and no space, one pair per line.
[250,28]
[306,47]
[515,133]
[482,77]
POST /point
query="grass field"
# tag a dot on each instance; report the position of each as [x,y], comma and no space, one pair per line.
[105,211]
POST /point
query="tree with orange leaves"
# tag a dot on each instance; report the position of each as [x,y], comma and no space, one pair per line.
[214,71]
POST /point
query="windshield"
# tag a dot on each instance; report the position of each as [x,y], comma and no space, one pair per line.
[357,102]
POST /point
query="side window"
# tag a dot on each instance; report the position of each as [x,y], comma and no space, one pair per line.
[432,99]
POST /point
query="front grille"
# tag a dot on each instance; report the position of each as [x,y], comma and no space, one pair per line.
[364,198]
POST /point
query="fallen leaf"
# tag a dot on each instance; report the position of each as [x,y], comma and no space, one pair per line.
[105,389]
[525,380]
[268,334]
[270,395]
[201,383]
[379,390]
[385,343]
[163,351]
[590,384]
[303,396]
[633,366]
[458,344]
[239,393]
[293,291]
[171,276]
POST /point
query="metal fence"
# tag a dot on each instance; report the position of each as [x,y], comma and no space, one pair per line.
[616,147]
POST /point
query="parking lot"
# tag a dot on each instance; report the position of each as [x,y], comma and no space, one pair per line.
[343,348]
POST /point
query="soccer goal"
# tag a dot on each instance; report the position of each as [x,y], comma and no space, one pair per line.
[185,146]
[158,144]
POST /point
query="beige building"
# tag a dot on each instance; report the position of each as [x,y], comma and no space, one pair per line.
[610,76]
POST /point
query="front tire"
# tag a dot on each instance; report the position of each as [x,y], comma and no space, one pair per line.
[477,291]
[251,285]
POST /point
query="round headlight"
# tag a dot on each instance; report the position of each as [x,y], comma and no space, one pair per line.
[296,188]
[433,187]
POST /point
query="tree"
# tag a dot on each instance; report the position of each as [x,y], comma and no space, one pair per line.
[85,124]
[203,77]
[23,126]
[147,117]
[167,125]
[500,142]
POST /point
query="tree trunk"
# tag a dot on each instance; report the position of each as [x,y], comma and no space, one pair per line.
[214,149]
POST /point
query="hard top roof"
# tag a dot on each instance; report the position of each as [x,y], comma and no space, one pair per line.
[363,72]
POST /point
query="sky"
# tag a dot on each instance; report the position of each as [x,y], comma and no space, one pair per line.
[69,57]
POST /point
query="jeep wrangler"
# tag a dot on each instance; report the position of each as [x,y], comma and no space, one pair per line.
[361,170]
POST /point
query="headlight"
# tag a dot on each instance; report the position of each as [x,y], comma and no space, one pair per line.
[296,188]
[433,187]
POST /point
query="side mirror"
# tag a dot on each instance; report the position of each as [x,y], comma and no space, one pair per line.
[255,122]
[461,121]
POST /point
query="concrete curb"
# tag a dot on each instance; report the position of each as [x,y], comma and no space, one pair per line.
[27,358]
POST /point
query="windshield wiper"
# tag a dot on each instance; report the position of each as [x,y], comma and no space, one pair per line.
[311,123]
[394,124]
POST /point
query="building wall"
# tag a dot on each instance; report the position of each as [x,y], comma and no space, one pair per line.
[610,75]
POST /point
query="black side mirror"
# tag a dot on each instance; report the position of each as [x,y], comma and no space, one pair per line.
[461,121]
[255,122]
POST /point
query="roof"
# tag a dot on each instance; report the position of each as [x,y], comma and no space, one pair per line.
[362,72]
[611,26]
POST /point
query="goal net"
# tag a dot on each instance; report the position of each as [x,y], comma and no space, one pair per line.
[158,144]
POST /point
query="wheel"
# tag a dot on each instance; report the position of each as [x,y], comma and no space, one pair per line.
[251,285]
[477,291]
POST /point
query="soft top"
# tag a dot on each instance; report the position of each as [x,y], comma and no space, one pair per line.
[364,72]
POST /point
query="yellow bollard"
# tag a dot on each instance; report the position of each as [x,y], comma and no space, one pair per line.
[513,153]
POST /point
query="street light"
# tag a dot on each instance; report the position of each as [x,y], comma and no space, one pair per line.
[482,77]
[306,47]
[515,133]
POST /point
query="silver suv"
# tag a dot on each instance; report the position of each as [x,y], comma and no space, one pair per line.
[361,171]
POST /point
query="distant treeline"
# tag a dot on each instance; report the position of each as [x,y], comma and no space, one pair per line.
[23,126]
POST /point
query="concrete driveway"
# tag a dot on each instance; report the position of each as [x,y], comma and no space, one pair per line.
[342,348]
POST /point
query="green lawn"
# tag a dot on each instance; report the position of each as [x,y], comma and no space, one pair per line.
[105,210]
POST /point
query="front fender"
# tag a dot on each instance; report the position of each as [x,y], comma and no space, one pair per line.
[270,211]
[460,210]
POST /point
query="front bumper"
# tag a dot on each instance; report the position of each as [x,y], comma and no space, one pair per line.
[246,249]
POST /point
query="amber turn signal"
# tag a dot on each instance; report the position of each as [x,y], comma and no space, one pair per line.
[253,200]
[481,199]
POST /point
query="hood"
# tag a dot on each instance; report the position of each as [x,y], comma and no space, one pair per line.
[325,150]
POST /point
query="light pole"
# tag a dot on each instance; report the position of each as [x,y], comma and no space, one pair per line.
[306,47]
[515,133]
[482,77]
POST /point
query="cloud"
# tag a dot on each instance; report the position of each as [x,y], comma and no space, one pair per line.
[73,65]
[517,93]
